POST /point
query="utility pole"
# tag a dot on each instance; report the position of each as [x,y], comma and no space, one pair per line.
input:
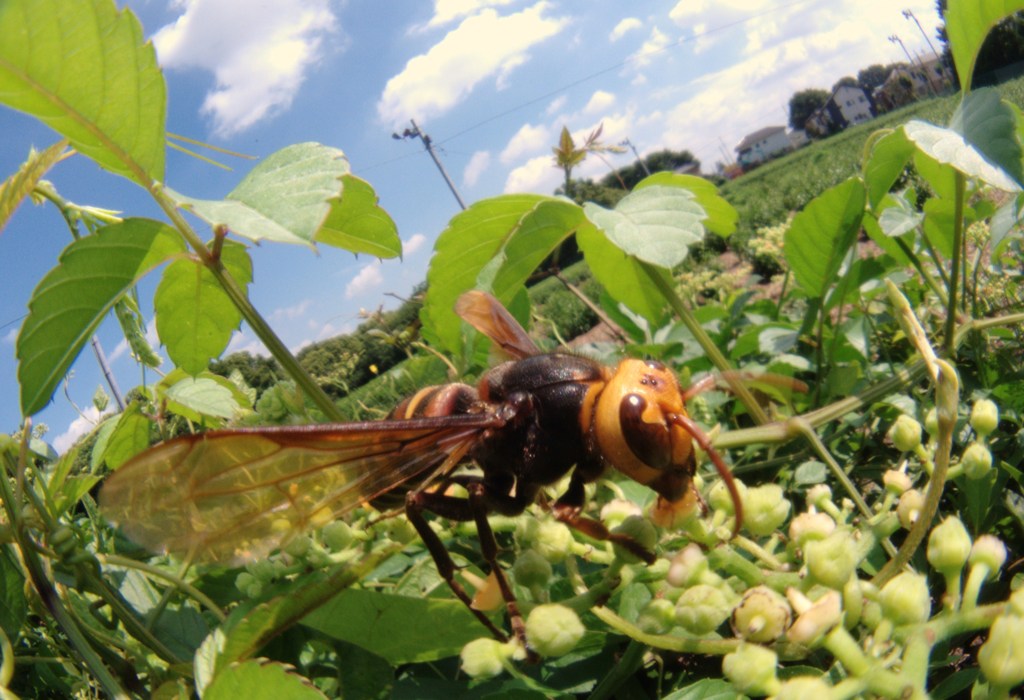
[627,142]
[415,133]
[910,15]
[894,38]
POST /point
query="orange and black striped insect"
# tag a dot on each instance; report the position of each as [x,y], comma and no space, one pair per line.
[233,495]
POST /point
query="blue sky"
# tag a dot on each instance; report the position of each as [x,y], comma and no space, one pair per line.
[491,81]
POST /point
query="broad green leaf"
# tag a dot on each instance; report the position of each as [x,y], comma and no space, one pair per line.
[260,680]
[536,236]
[722,217]
[939,218]
[13,606]
[471,240]
[300,195]
[990,125]
[949,147]
[129,437]
[622,275]
[72,299]
[1004,223]
[656,224]
[379,623]
[968,22]
[20,185]
[200,398]
[899,219]
[84,69]
[194,315]
[941,177]
[355,222]
[819,237]
[705,689]
[889,155]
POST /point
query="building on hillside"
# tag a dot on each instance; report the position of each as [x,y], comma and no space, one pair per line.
[846,106]
[907,83]
[761,145]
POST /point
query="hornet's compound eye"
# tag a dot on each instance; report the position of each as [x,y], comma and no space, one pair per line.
[649,440]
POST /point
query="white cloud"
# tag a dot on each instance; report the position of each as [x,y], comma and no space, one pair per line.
[535,175]
[259,53]
[655,44]
[529,139]
[242,341]
[624,27]
[11,336]
[80,426]
[477,166]
[446,11]
[482,46]
[368,277]
[414,243]
[599,102]
[290,312]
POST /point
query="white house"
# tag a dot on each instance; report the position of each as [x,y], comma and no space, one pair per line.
[846,106]
[761,145]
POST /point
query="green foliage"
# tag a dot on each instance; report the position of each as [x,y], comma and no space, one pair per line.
[803,104]
[920,329]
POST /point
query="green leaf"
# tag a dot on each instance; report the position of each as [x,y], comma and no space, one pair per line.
[622,275]
[656,224]
[129,437]
[260,680]
[302,194]
[379,623]
[948,147]
[722,217]
[202,397]
[355,222]
[899,219]
[889,155]
[13,605]
[939,221]
[86,71]
[20,185]
[194,315]
[990,125]
[471,240]
[967,24]
[705,689]
[71,300]
[819,237]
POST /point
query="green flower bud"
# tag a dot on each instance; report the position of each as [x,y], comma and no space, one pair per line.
[719,497]
[984,417]
[751,670]
[337,535]
[814,622]
[687,567]
[909,507]
[819,495]
[905,599]
[248,584]
[639,529]
[988,551]
[531,569]
[617,510]
[811,526]
[765,508]
[803,688]
[896,482]
[976,461]
[657,617]
[762,616]
[949,545]
[702,609]
[1001,657]
[298,546]
[550,538]
[833,560]
[553,629]
[905,433]
[484,658]
[931,421]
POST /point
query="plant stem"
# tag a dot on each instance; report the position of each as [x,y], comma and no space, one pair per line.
[707,345]
[954,275]
[241,301]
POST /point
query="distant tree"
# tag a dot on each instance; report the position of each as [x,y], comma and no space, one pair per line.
[656,162]
[603,193]
[872,77]
[845,81]
[802,104]
[259,372]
